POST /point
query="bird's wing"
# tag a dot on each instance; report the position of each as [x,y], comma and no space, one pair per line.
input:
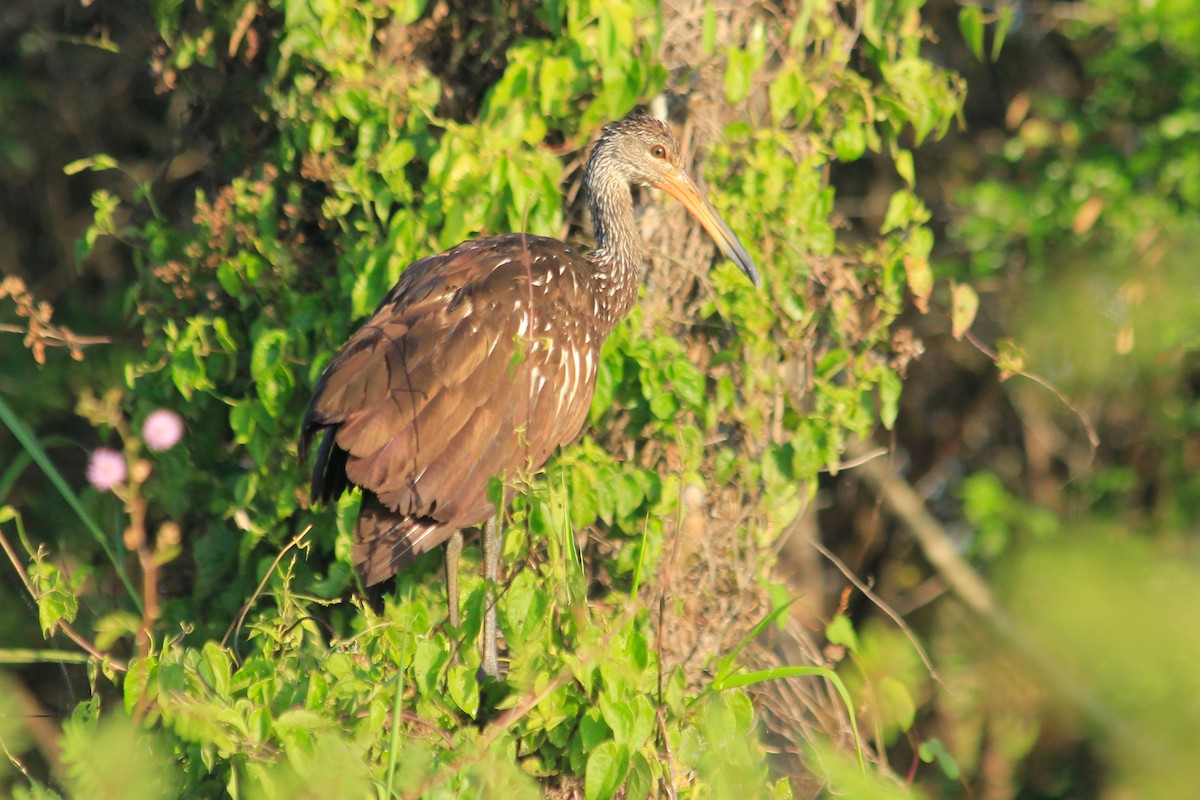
[455,380]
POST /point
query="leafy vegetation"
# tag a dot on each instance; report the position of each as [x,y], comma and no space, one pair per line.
[221,643]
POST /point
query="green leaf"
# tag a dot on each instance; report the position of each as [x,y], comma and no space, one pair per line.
[216,668]
[728,665]
[464,689]
[138,678]
[230,279]
[272,377]
[708,31]
[607,767]
[970,24]
[592,729]
[904,166]
[627,495]
[663,405]
[841,631]
[1005,13]
[739,74]
[55,600]
[641,778]
[890,387]
[850,140]
[932,750]
[691,747]
[896,704]
[295,720]
[904,209]
[95,163]
[411,10]
[643,722]
[964,305]
[785,93]
[688,382]
[524,615]
[620,718]
[113,627]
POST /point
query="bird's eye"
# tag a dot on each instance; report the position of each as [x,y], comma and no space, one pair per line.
[658,151]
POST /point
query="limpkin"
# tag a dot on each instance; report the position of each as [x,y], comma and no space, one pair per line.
[480,362]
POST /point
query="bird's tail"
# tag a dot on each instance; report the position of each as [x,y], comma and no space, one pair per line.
[386,541]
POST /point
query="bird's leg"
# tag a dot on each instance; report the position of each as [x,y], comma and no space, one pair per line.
[453,550]
[491,568]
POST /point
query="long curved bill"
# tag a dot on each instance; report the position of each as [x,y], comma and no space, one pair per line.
[680,187]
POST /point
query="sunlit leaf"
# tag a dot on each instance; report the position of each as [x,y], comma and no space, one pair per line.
[970,24]
[964,304]
[606,769]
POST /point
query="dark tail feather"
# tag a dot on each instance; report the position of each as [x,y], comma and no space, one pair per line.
[385,541]
[329,473]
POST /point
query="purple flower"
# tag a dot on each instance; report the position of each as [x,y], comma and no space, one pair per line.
[106,469]
[162,430]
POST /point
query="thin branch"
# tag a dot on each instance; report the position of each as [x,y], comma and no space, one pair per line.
[62,337]
[16,762]
[877,600]
[857,460]
[1088,427]
[669,778]
[62,625]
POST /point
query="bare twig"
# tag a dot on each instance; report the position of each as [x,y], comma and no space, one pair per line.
[1085,420]
[884,607]
[137,541]
[40,331]
[857,460]
[16,762]
[668,761]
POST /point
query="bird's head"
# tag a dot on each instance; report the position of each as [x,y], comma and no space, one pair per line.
[641,151]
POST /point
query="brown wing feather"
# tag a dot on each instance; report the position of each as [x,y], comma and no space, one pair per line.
[451,382]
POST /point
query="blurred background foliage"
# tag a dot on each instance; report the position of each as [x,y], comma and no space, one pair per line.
[211,195]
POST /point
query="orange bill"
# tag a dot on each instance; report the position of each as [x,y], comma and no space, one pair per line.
[680,187]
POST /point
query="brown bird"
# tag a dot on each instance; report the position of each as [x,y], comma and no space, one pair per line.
[480,362]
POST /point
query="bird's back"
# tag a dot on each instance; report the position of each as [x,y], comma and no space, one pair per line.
[478,364]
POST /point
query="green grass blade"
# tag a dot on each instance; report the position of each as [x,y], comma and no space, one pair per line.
[726,665]
[397,719]
[637,572]
[34,448]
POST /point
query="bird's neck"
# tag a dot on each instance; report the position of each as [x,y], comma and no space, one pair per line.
[617,259]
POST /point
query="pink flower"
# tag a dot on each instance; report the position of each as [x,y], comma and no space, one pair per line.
[162,430]
[106,469]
